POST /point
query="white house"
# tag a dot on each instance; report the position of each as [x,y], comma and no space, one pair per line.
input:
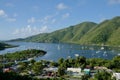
[116,75]
[76,72]
[54,69]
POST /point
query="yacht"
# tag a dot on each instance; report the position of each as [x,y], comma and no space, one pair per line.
[76,55]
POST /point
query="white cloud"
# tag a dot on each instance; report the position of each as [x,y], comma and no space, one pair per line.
[35,8]
[46,19]
[6,17]
[2,13]
[11,19]
[66,15]
[44,29]
[9,5]
[114,1]
[53,21]
[28,31]
[61,6]
[31,20]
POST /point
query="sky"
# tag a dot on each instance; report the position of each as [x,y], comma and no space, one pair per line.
[23,18]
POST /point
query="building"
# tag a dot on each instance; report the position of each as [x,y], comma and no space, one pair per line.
[100,68]
[87,71]
[52,69]
[7,70]
[116,75]
[75,72]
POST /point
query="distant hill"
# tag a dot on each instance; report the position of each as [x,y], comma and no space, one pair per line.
[67,35]
[106,32]
[4,45]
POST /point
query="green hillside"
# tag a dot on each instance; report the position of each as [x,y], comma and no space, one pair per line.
[4,45]
[106,32]
[71,34]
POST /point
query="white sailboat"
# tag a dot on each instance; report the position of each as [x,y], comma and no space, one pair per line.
[76,55]
[58,47]
[102,48]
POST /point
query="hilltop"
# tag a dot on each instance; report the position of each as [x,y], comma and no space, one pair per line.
[106,32]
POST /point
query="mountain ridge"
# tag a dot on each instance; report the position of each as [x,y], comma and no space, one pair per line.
[106,32]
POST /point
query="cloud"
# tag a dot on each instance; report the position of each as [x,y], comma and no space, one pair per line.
[2,13]
[61,6]
[66,15]
[53,21]
[35,8]
[29,30]
[47,19]
[11,19]
[31,20]
[114,1]
[44,29]
[6,17]
[9,5]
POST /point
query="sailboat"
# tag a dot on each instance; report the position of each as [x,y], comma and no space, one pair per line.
[58,47]
[76,55]
[102,48]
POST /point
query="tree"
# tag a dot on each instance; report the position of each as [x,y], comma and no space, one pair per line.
[85,77]
[60,61]
[102,75]
[61,71]
[38,67]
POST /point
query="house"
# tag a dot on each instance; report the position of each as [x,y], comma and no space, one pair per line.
[7,70]
[51,71]
[86,71]
[100,68]
[116,75]
[76,72]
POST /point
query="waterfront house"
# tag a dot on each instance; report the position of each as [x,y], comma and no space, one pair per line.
[100,68]
[116,75]
[75,72]
[51,71]
[86,71]
[7,70]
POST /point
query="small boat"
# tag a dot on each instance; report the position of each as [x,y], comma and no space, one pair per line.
[69,56]
[102,48]
[97,51]
[76,55]
[119,54]
[58,47]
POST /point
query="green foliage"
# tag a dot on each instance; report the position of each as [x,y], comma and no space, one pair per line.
[102,75]
[38,67]
[13,76]
[61,71]
[85,77]
[71,34]
[106,32]
[4,45]
[21,55]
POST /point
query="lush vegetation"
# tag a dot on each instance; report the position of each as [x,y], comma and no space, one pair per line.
[37,68]
[69,35]
[4,45]
[15,76]
[21,55]
[106,32]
